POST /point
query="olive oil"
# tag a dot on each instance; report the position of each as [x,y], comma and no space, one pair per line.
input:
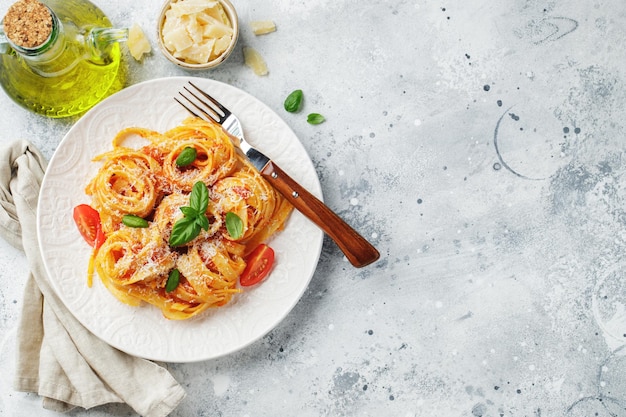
[79,74]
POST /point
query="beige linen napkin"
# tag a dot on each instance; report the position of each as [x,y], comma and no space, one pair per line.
[57,357]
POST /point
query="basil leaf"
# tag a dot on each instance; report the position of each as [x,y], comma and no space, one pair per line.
[293,101]
[187,156]
[132,220]
[199,198]
[189,212]
[234,225]
[203,222]
[172,280]
[184,231]
[189,227]
[315,118]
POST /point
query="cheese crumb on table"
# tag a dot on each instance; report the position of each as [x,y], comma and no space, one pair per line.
[254,60]
[262,27]
[138,44]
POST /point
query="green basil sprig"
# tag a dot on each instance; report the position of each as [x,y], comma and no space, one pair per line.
[195,219]
[294,101]
[234,225]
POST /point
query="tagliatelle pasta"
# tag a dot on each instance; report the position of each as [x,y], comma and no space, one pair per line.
[134,263]
[126,184]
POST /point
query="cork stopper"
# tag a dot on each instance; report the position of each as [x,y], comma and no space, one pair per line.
[28,23]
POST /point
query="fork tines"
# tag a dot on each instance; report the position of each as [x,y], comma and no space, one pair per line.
[209,107]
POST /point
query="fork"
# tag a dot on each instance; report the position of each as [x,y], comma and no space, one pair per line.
[354,246]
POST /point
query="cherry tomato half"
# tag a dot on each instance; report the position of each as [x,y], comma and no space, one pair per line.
[87,220]
[260,262]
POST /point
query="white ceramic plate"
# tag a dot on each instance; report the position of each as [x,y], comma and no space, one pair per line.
[143,331]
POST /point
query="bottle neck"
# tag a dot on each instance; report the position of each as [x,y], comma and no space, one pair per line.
[53,57]
[47,47]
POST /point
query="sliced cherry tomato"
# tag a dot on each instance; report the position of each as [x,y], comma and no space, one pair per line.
[260,262]
[87,220]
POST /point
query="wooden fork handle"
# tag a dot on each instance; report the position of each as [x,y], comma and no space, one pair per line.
[358,250]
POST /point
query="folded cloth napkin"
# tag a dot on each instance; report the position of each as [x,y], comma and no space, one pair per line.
[57,357]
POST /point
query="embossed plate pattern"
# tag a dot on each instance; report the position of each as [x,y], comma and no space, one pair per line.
[143,331]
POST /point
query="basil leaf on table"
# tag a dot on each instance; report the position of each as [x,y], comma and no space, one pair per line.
[315,118]
[294,101]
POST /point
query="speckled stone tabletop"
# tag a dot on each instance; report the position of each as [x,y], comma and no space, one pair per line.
[480,146]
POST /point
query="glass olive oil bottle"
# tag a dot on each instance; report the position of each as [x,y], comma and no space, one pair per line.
[73,69]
